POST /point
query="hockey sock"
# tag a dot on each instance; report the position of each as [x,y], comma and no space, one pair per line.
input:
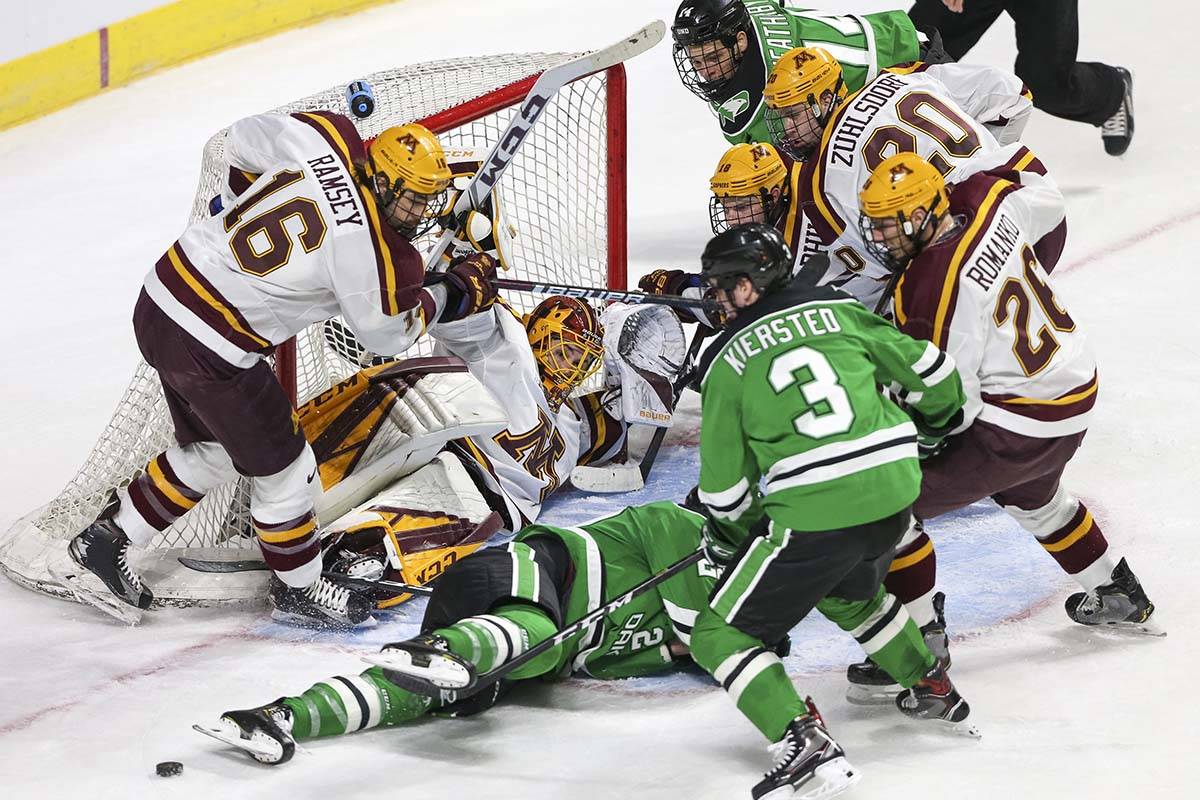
[886,632]
[489,640]
[349,703]
[752,675]
[1081,549]
[171,485]
[912,575]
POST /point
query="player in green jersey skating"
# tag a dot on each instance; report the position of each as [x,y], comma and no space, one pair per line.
[499,602]
[790,402]
[724,50]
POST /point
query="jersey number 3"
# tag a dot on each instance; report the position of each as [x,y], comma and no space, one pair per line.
[263,243]
[828,406]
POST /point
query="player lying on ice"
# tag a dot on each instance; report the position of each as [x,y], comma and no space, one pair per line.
[497,603]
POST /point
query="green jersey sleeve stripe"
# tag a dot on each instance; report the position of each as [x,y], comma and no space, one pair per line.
[730,503]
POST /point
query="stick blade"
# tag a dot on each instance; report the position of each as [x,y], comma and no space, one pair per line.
[611,479]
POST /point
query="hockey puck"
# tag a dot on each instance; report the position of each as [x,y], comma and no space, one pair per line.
[168,769]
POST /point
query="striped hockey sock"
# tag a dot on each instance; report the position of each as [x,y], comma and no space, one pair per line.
[489,640]
[350,703]
[886,632]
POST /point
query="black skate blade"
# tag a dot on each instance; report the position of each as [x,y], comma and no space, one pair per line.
[828,780]
[861,695]
[309,623]
[1147,628]
[104,601]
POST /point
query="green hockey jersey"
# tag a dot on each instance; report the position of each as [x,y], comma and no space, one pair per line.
[790,396]
[863,44]
[610,556]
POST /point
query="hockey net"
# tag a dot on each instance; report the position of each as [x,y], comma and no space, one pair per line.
[564,195]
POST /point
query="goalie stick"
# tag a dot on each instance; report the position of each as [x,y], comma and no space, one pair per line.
[543,91]
[253,565]
[457,675]
[631,477]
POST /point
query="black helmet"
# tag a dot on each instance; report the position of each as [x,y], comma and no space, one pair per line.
[755,250]
[699,21]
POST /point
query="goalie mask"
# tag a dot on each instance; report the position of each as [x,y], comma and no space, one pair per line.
[749,185]
[568,344]
[407,173]
[802,92]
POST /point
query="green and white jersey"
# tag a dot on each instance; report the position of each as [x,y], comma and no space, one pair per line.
[790,395]
[613,554]
[863,44]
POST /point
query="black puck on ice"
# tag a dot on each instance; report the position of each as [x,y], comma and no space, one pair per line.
[168,769]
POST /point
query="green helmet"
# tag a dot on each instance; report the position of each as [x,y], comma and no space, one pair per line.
[756,251]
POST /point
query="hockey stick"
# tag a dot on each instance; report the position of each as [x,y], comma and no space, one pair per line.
[629,477]
[604,294]
[543,91]
[252,565]
[459,675]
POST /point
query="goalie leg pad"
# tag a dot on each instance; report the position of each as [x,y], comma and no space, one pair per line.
[421,524]
[388,421]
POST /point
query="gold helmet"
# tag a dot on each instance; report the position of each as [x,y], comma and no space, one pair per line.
[568,344]
[896,189]
[803,78]
[407,167]
[748,175]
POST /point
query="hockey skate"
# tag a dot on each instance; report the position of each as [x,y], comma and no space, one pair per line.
[809,763]
[871,685]
[1122,604]
[265,732]
[1117,130]
[424,665]
[323,604]
[935,698]
[102,549]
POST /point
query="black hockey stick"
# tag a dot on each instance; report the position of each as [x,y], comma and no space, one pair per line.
[253,565]
[399,659]
[606,294]
[544,89]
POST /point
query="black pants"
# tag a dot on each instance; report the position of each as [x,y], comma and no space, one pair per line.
[1047,43]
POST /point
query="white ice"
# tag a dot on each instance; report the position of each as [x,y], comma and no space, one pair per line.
[90,197]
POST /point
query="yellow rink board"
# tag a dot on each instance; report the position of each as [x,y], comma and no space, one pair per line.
[49,79]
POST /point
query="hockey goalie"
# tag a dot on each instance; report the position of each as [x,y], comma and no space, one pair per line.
[475,439]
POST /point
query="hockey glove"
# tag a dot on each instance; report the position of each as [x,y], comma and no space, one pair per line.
[683,284]
[719,550]
[469,286]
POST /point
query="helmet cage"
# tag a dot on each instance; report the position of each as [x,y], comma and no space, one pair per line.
[433,205]
[777,126]
[905,236]
[772,208]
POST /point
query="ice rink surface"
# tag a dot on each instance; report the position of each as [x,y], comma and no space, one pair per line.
[93,194]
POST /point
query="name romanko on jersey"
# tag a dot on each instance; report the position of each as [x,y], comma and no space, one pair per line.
[782,329]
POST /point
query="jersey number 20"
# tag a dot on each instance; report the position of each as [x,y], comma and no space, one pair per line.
[829,411]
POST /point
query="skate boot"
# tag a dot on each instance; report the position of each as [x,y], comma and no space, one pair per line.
[425,665]
[264,732]
[102,549]
[1122,603]
[871,685]
[809,763]
[1117,130]
[935,698]
[323,604]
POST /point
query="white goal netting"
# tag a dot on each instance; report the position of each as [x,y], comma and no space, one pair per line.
[563,195]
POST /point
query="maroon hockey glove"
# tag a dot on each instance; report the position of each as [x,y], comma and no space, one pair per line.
[469,286]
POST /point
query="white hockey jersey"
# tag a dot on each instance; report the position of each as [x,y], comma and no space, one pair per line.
[297,242]
[535,454]
[982,296]
[946,113]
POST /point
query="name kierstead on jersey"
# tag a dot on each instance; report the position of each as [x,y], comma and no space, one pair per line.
[339,190]
[780,330]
